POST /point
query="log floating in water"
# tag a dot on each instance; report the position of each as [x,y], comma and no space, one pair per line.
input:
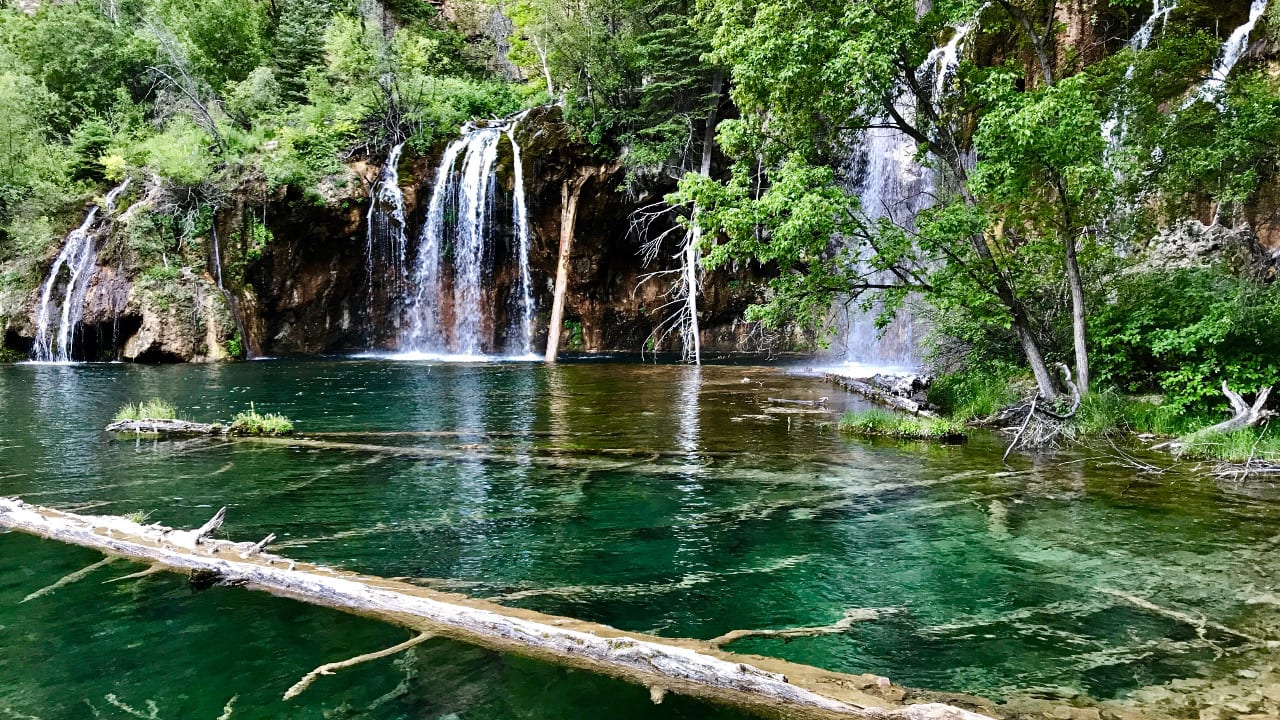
[763,685]
[820,402]
[875,394]
[166,427]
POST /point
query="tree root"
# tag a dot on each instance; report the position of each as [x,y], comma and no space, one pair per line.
[331,668]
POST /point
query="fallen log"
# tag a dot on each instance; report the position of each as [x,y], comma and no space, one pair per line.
[820,402]
[878,395]
[166,428]
[763,685]
[1243,416]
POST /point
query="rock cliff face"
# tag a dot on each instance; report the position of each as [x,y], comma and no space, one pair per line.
[298,278]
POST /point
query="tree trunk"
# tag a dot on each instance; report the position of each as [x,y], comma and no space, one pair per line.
[570,190]
[763,685]
[1078,329]
[693,240]
[1031,348]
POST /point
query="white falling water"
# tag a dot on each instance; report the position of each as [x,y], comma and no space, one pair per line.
[1115,128]
[893,185]
[386,237]
[451,311]
[79,258]
[1232,50]
[520,218]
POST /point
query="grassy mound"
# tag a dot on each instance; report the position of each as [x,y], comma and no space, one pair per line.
[254,423]
[153,409]
[882,423]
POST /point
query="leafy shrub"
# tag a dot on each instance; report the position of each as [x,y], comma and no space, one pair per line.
[154,409]
[978,391]
[1181,333]
[252,422]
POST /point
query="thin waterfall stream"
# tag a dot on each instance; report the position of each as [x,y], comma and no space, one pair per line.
[386,233]
[1232,50]
[78,257]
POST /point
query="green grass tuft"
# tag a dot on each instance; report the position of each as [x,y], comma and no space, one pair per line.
[154,409]
[978,392]
[254,423]
[882,423]
[1250,444]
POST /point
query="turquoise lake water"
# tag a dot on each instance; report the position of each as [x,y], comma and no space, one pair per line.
[664,499]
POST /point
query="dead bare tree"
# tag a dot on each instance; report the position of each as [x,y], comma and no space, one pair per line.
[172,72]
[1244,416]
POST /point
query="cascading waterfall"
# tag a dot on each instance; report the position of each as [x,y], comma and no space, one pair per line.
[1232,50]
[386,236]
[79,257]
[1115,127]
[451,311]
[891,184]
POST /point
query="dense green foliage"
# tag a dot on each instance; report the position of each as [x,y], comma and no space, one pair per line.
[203,97]
[1048,194]
[1180,333]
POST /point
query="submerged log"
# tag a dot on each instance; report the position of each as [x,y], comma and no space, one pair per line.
[883,397]
[763,685]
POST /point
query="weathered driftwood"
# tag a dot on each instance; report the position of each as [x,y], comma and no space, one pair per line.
[166,427]
[820,402]
[878,395]
[693,667]
[1244,416]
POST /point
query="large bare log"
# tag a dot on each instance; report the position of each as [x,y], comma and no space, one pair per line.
[764,685]
[883,397]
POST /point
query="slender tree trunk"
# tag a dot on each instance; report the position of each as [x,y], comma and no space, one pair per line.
[546,68]
[693,240]
[570,190]
[1031,348]
[1079,332]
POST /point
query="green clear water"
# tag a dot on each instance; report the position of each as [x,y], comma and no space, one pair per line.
[726,517]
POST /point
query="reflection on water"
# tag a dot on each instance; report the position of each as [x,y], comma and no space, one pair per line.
[664,498]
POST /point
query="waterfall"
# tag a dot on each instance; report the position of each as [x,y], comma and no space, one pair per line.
[1115,128]
[520,221]
[79,256]
[452,311]
[891,184]
[386,239]
[1232,50]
